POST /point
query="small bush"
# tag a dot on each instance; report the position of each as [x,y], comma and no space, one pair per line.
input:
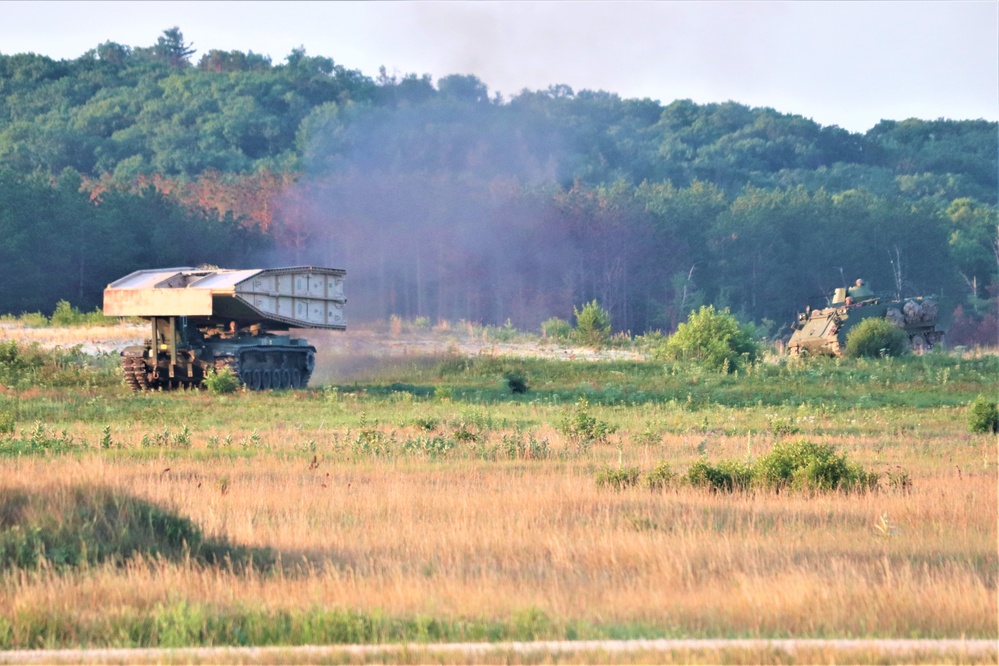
[983,415]
[660,478]
[221,382]
[713,339]
[516,381]
[7,422]
[593,325]
[67,315]
[555,328]
[427,423]
[899,481]
[618,479]
[87,525]
[876,338]
[581,428]
[728,475]
[804,465]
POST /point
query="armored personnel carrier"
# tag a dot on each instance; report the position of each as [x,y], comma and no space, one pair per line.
[206,319]
[823,331]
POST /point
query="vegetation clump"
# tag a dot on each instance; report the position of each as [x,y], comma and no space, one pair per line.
[983,416]
[876,338]
[713,339]
[660,478]
[30,364]
[593,325]
[85,525]
[805,465]
[727,475]
[222,382]
[800,465]
[582,428]
[556,329]
[618,479]
[516,381]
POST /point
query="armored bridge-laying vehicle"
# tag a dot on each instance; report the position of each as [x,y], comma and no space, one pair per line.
[823,331]
[205,319]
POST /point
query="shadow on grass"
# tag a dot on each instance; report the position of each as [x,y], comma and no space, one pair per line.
[78,526]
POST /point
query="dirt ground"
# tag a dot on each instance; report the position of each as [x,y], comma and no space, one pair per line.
[340,354]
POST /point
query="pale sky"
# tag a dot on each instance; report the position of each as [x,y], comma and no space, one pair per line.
[850,64]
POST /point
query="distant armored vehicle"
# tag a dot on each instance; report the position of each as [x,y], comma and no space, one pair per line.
[205,319]
[823,331]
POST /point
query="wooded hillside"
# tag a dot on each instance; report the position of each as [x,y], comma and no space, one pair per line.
[446,202]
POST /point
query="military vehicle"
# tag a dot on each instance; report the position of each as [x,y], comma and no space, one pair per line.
[823,331]
[205,319]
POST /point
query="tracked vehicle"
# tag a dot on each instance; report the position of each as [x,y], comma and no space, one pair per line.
[823,331]
[205,319]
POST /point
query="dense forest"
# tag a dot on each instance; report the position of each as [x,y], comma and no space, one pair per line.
[446,202]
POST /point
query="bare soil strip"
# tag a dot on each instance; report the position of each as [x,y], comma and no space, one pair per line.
[472,651]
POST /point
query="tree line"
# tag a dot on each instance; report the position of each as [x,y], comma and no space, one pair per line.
[445,201]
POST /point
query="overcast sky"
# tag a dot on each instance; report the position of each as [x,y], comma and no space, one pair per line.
[850,64]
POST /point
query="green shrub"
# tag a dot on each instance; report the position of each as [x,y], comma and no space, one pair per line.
[7,422]
[581,428]
[660,477]
[558,329]
[804,465]
[618,479]
[221,382]
[593,325]
[728,475]
[66,315]
[983,415]
[86,525]
[516,380]
[876,338]
[713,339]
[32,364]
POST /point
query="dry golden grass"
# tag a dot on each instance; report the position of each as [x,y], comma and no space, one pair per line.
[478,539]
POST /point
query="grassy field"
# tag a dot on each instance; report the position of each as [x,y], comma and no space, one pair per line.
[417,498]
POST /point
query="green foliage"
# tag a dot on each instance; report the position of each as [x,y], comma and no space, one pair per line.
[593,325]
[782,427]
[875,338]
[99,128]
[582,428]
[556,329]
[31,365]
[804,465]
[799,465]
[661,477]
[516,380]
[67,315]
[618,479]
[712,339]
[983,415]
[727,475]
[40,441]
[85,525]
[55,217]
[222,382]
[7,422]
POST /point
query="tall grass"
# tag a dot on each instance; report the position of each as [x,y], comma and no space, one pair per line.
[397,511]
